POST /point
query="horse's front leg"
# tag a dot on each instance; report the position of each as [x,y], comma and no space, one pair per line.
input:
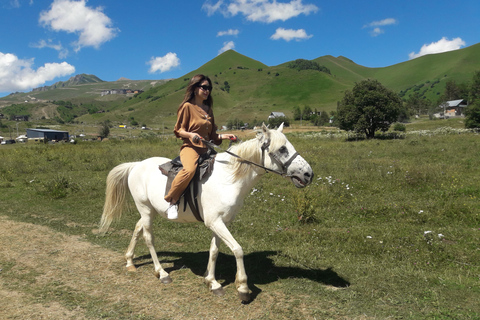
[210,280]
[220,229]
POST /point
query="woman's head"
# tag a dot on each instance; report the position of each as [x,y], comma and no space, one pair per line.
[196,83]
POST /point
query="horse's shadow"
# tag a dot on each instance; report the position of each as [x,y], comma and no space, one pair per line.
[260,269]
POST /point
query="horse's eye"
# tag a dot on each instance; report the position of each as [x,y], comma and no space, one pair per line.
[283,149]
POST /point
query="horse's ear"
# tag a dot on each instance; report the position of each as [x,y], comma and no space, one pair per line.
[280,129]
[264,134]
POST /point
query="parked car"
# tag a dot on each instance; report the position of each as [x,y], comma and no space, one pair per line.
[11,141]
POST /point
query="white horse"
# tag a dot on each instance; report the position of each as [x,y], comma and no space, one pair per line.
[220,197]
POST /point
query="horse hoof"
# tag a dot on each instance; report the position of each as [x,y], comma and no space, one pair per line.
[220,292]
[244,296]
[166,280]
[131,269]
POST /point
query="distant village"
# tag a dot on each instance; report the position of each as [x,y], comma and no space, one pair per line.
[120,91]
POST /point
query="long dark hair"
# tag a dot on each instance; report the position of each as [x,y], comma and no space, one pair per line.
[193,84]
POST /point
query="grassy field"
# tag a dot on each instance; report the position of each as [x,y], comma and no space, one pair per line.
[388,229]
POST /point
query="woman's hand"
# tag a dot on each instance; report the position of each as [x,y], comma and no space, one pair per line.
[228,136]
[195,137]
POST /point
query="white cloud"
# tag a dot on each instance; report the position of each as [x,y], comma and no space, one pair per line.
[375,26]
[230,45]
[62,52]
[290,34]
[212,8]
[163,64]
[442,45]
[376,31]
[381,23]
[91,24]
[18,75]
[16,3]
[261,10]
[229,32]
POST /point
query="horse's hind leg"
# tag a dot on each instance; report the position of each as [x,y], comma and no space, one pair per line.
[131,248]
[144,225]
[210,280]
[149,240]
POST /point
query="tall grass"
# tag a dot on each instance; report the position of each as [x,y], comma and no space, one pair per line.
[393,225]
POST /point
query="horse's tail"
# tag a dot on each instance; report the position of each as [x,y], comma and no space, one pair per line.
[117,186]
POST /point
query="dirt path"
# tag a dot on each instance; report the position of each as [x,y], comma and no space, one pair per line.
[45,274]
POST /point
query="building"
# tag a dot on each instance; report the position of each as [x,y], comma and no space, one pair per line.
[20,118]
[47,134]
[454,108]
[276,115]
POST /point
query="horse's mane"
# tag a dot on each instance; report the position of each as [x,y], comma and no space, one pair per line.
[250,150]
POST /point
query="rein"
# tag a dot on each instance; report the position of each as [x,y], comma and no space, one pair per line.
[265,146]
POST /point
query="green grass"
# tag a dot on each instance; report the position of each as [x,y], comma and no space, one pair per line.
[367,252]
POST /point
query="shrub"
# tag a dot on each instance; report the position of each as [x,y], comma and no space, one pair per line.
[304,203]
[302,64]
[399,127]
[472,116]
[59,187]
[276,122]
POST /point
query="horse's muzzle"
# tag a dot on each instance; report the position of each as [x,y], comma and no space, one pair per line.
[302,182]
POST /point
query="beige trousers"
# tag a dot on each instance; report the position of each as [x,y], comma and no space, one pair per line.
[189,157]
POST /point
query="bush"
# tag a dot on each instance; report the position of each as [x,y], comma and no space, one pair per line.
[302,64]
[399,127]
[472,116]
[59,187]
[304,203]
[276,122]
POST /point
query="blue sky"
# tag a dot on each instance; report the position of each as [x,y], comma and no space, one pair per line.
[45,41]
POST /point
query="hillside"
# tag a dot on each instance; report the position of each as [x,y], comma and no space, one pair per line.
[247,89]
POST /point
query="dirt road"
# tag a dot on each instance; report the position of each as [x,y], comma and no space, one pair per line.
[49,275]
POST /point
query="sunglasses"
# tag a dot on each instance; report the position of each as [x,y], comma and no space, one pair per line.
[206,88]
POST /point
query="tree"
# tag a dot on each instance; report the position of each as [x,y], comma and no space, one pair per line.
[307,113]
[472,115]
[297,113]
[475,88]
[276,122]
[104,129]
[302,64]
[322,119]
[368,107]
[452,91]
[416,104]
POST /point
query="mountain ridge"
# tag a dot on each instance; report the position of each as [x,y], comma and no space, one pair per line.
[245,88]
[73,81]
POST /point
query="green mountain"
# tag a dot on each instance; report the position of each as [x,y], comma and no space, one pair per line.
[248,89]
[73,81]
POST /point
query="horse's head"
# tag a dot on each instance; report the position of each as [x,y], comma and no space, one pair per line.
[283,157]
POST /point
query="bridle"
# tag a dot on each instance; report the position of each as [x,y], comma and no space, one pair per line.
[265,147]
[282,165]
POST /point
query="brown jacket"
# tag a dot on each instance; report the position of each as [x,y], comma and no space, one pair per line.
[192,118]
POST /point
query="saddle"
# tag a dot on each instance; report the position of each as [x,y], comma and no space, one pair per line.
[204,169]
